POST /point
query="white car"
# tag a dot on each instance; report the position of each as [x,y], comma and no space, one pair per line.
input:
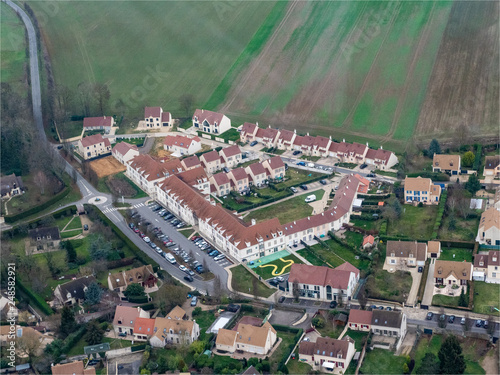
[219,257]
[182,268]
[280,279]
[146,239]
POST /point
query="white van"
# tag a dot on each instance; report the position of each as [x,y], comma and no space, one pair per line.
[310,198]
[170,258]
[310,165]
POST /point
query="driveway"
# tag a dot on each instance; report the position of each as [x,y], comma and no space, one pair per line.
[127,364]
[429,285]
[416,276]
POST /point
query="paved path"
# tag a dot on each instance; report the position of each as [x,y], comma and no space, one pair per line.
[416,277]
[429,285]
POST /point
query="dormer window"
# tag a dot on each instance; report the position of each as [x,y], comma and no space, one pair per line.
[440,271]
[393,254]
[481,263]
[494,259]
[464,273]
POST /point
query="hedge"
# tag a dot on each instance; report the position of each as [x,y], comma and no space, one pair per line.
[340,241]
[383,228]
[434,176]
[41,207]
[371,197]
[394,238]
[255,205]
[459,244]
[279,327]
[148,306]
[138,299]
[136,348]
[439,216]
[118,263]
[478,156]
[298,334]
[72,339]
[37,300]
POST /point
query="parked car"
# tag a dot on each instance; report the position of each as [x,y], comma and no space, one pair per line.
[273,282]
[190,272]
[371,175]
[194,301]
[226,169]
[131,225]
[280,279]
[303,187]
[463,320]
[302,163]
[219,257]
[136,230]
[199,269]
[253,143]
[146,239]
[282,299]
[429,316]
[293,189]
[479,323]
[85,227]
[214,253]
[188,278]
[451,319]
[363,166]
[323,182]
[233,308]
[485,324]
[183,268]
[296,152]
[420,269]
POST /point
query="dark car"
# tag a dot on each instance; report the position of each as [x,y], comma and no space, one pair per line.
[370,175]
[333,304]
[225,169]
[199,269]
[188,278]
[479,323]
[286,167]
[429,316]
[302,163]
[232,307]
[303,187]
[296,152]
[485,324]
[451,319]
[273,282]
[282,299]
[85,227]
[213,253]
[253,143]
[420,269]
[363,166]
[323,182]
[131,225]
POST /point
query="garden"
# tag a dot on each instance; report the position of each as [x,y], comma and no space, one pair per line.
[244,282]
[381,361]
[415,222]
[486,298]
[455,254]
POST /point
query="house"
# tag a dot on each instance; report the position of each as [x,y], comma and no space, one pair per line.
[239,180]
[380,158]
[230,156]
[143,276]
[143,328]
[418,189]
[177,313]
[368,242]
[174,331]
[73,368]
[433,249]
[450,273]
[487,267]
[248,132]
[211,161]
[181,145]
[125,317]
[488,232]
[323,283]
[364,184]
[154,117]
[406,253]
[94,146]
[211,122]
[492,166]
[360,320]
[349,153]
[247,338]
[275,168]
[43,240]
[327,354]
[251,371]
[98,123]
[221,184]
[446,163]
[72,293]
[286,139]
[314,146]
[388,323]
[124,152]
[257,174]
[11,185]
[196,178]
[191,162]
[267,136]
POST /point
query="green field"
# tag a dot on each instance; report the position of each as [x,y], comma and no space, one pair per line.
[486,296]
[415,222]
[380,361]
[458,255]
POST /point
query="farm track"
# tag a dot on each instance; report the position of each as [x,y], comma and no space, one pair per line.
[409,75]
[368,77]
[262,54]
[85,58]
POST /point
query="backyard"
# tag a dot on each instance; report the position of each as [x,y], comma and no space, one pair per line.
[415,222]
[486,296]
[389,286]
[455,254]
[380,361]
[464,230]
[120,185]
[336,254]
[277,267]
[242,203]
[243,281]
[296,177]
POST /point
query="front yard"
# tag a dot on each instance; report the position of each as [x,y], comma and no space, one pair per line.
[296,177]
[246,202]
[441,299]
[243,281]
[486,296]
[415,222]
[120,185]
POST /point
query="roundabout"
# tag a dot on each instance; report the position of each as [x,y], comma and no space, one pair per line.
[98,200]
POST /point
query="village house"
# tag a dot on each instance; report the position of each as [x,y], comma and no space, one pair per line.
[239,180]
[221,184]
[275,168]
[174,331]
[388,323]
[143,328]
[196,178]
[452,275]
[267,136]
[487,267]
[181,145]
[177,313]
[323,283]
[72,293]
[125,317]
[418,189]
[124,152]
[230,156]
[286,139]
[492,166]
[94,146]
[11,185]
[488,232]
[446,163]
[154,117]
[211,161]
[368,242]
[360,320]
[406,253]
[327,354]
[98,123]
[191,162]
[257,174]
[211,122]
[247,338]
[433,249]
[380,158]
[248,132]
[143,276]
[73,368]
[43,240]
[312,146]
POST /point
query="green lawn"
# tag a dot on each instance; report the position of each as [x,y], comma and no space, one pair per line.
[230,135]
[297,367]
[103,187]
[357,336]
[415,222]
[310,158]
[385,173]
[286,211]
[296,177]
[330,331]
[76,223]
[486,296]
[390,286]
[287,340]
[70,129]
[440,299]
[70,233]
[311,257]
[366,224]
[63,221]
[250,200]
[380,361]
[113,343]
[354,239]
[186,232]
[266,272]
[204,319]
[338,254]
[460,254]
[465,230]
[242,282]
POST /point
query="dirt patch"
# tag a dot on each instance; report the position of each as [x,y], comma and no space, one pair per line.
[121,187]
[256,322]
[490,362]
[106,166]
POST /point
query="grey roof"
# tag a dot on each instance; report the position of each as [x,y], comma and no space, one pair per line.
[76,287]
[251,371]
[45,233]
[391,319]
[9,182]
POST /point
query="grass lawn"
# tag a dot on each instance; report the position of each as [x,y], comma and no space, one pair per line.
[249,201]
[357,336]
[282,267]
[62,222]
[389,286]
[330,331]
[297,367]
[415,222]
[311,257]
[337,254]
[70,129]
[440,299]
[310,158]
[385,173]
[296,177]
[134,141]
[113,343]
[186,232]
[460,254]
[71,233]
[380,361]
[76,223]
[485,297]
[204,319]
[366,224]
[465,230]
[230,135]
[286,211]
[103,187]
[354,239]
[242,282]
[287,339]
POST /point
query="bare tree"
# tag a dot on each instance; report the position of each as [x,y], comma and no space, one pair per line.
[462,135]
[295,290]
[362,297]
[217,287]
[29,344]
[41,181]
[85,97]
[102,96]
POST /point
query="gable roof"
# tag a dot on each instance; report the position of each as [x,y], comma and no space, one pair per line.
[489,219]
[152,112]
[390,319]
[194,176]
[221,178]
[44,233]
[267,133]
[325,346]
[76,287]
[123,147]
[363,180]
[7,183]
[319,275]
[403,249]
[91,122]
[210,156]
[152,169]
[144,326]
[191,161]
[94,140]
[446,268]
[248,128]
[451,162]
[360,316]
[176,313]
[238,174]
[433,247]
[286,135]
[275,162]
[491,162]
[257,168]
[249,334]
[209,116]
[166,117]
[164,325]
[230,151]
[368,239]
[418,184]
[127,315]
[135,275]
[250,371]
[226,337]
[179,141]
[75,368]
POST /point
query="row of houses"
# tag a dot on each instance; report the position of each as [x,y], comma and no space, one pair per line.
[318,146]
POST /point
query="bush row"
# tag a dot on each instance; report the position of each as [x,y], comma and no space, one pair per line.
[255,205]
[138,299]
[459,244]
[434,176]
[371,197]
[383,228]
[477,158]
[72,339]
[36,299]
[286,353]
[439,216]
[386,238]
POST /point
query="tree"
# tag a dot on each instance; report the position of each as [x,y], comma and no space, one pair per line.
[68,322]
[94,333]
[255,287]
[406,370]
[29,344]
[102,96]
[473,185]
[429,365]
[450,356]
[295,290]
[93,294]
[362,297]
[462,300]
[41,181]
[217,287]
[434,148]
[396,205]
[186,102]
[99,249]
[70,252]
[468,159]
[134,290]
[85,96]
[169,296]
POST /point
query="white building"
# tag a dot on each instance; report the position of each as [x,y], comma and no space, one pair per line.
[211,122]
[154,117]
[123,152]
[247,338]
[488,232]
[94,146]
[180,145]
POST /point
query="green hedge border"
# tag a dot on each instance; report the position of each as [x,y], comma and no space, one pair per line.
[37,300]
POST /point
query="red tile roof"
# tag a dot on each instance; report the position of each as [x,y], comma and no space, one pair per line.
[357,148]
[257,168]
[368,239]
[248,128]
[276,162]
[179,141]
[337,278]
[286,135]
[90,122]
[94,140]
[360,317]
[144,326]
[191,161]
[267,133]
[152,169]
[221,178]
[211,117]
[210,156]
[239,174]
[152,112]
[194,176]
[123,147]
[363,180]
[126,315]
[230,151]
[166,117]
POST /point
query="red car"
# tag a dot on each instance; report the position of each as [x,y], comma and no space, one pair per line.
[142,235]
[194,238]
[136,230]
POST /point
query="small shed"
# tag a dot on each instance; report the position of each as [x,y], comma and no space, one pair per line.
[340,319]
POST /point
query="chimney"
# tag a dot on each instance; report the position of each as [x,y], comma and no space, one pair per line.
[294,222]
[343,140]
[295,131]
[308,218]
[104,117]
[381,148]
[308,134]
[253,222]
[330,138]
[269,126]
[202,110]
[366,144]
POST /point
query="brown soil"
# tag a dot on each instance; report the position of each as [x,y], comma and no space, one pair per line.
[106,166]
[490,363]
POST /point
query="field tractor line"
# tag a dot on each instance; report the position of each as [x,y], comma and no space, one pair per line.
[319,93]
[409,74]
[368,76]
[266,49]
[90,71]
